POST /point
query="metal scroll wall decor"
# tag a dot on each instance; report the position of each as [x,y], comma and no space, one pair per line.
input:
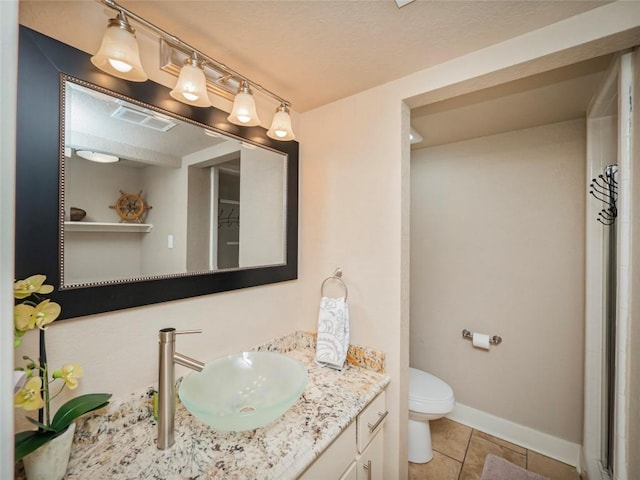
[605,189]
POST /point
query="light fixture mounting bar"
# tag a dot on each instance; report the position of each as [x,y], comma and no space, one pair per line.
[209,61]
[172,58]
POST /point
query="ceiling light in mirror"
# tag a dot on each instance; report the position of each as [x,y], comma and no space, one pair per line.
[97,157]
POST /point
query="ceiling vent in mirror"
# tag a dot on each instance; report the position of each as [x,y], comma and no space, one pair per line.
[143,119]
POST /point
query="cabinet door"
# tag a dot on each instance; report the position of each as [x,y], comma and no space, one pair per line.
[370,466]
[336,459]
[351,473]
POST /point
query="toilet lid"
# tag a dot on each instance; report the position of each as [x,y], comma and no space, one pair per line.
[429,394]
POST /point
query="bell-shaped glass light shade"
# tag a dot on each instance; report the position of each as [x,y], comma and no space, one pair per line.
[281,125]
[244,108]
[119,55]
[192,86]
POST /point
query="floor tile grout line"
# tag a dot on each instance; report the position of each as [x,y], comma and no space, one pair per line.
[506,441]
[448,456]
[466,450]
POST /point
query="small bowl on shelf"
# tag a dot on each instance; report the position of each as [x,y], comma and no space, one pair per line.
[77,214]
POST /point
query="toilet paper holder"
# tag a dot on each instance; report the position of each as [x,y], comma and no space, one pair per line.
[493,340]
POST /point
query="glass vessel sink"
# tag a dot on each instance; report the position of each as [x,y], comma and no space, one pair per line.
[243,391]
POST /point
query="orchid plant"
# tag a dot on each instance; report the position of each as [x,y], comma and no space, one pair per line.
[37,394]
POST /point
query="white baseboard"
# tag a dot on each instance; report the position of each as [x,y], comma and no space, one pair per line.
[554,447]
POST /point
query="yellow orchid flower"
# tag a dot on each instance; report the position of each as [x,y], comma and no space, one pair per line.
[31,285]
[70,374]
[45,313]
[28,397]
[26,317]
[23,318]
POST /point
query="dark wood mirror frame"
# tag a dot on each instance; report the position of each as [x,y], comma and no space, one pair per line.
[41,62]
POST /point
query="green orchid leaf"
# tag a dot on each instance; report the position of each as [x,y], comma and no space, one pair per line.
[27,442]
[76,407]
[42,426]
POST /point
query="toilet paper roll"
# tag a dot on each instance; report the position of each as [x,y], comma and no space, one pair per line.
[19,379]
[480,340]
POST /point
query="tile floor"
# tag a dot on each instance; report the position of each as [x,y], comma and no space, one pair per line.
[459,452]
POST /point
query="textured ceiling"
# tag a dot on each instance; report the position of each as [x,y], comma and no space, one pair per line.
[314,52]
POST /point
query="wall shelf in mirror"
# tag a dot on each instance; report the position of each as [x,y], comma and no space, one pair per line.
[107,227]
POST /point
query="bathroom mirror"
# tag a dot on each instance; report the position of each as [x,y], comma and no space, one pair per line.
[193,205]
[146,194]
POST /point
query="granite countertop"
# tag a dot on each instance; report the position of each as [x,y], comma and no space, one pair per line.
[119,442]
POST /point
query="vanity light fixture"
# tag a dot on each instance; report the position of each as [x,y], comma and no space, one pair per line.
[244,107]
[97,157]
[192,85]
[119,54]
[281,124]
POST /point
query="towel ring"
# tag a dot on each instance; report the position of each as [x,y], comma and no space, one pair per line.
[337,275]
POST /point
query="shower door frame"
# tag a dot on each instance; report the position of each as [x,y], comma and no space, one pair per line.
[616,91]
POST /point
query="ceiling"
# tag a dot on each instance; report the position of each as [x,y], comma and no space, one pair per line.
[550,97]
[313,52]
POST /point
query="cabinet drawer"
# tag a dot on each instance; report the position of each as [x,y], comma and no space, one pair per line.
[370,463]
[370,421]
[336,459]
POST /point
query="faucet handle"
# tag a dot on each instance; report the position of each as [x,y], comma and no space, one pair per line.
[184,332]
[168,335]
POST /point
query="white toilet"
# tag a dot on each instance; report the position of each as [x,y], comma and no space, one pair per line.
[429,399]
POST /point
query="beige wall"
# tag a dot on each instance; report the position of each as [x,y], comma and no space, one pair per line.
[199,224]
[262,212]
[91,257]
[165,190]
[96,256]
[497,246]
[351,217]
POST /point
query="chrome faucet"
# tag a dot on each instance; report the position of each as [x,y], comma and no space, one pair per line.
[166,383]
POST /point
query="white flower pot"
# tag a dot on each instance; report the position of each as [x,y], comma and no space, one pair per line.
[49,462]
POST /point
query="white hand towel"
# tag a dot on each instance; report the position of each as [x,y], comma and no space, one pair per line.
[333,332]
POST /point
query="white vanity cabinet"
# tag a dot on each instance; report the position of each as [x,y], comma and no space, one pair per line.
[358,451]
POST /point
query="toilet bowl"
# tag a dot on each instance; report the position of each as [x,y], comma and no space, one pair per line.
[429,399]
